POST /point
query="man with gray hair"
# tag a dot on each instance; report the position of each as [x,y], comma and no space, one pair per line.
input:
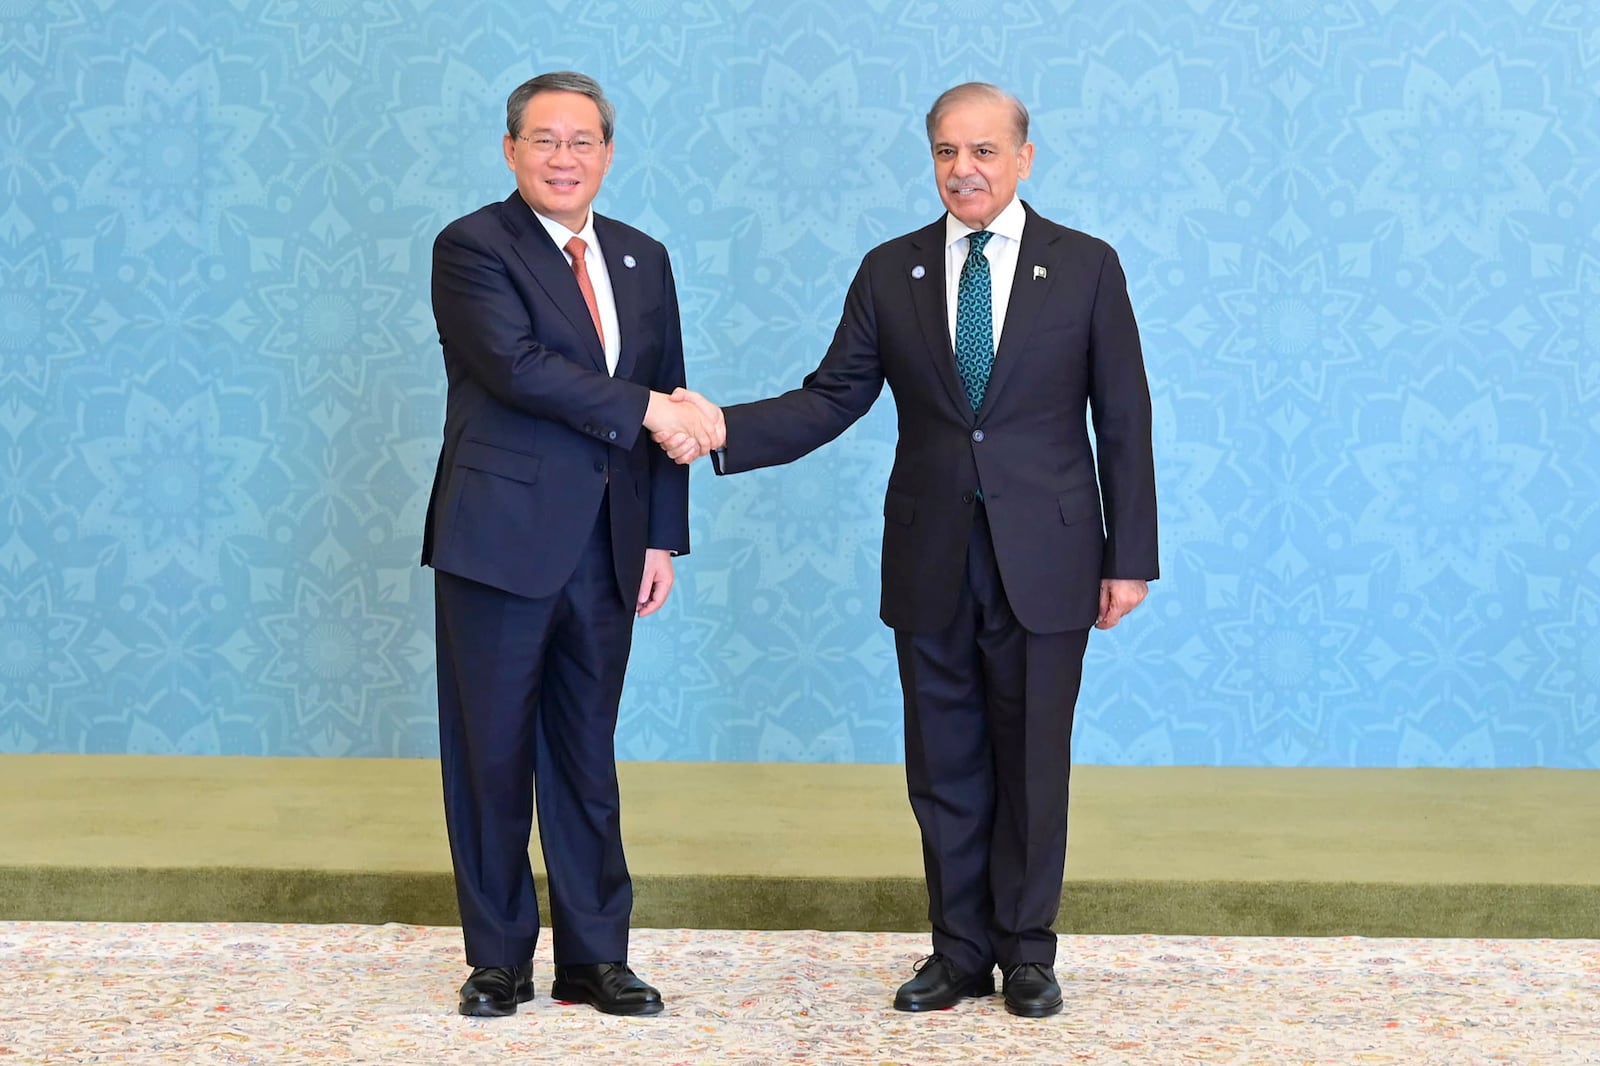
[1003,543]
[553,523]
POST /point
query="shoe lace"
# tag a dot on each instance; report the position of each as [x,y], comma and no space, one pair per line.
[1020,970]
[925,961]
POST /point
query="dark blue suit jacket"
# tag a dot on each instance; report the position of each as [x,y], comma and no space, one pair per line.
[1070,348]
[534,426]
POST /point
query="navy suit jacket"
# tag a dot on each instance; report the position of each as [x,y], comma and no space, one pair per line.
[535,428]
[1070,347]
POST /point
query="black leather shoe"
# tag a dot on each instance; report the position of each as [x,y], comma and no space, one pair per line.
[1031,990]
[495,991]
[938,985]
[609,987]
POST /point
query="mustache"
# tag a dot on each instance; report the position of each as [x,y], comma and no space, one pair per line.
[957,184]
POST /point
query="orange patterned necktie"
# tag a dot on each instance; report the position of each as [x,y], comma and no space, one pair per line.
[576,248]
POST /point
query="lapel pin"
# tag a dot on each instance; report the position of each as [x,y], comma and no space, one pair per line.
[1040,272]
[917,271]
[630,262]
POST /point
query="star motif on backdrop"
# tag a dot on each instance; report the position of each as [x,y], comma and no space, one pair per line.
[341,26]
[40,653]
[1449,492]
[330,322]
[1138,158]
[785,150]
[1575,347]
[1298,27]
[173,723]
[331,651]
[25,167]
[1139,683]
[1571,645]
[973,31]
[401,476]
[1289,658]
[451,143]
[665,30]
[1473,749]
[1092,744]
[171,153]
[242,192]
[775,743]
[28,28]
[1291,327]
[329,162]
[797,715]
[806,520]
[1452,158]
[672,670]
[1578,20]
[1188,463]
[172,485]
[39,323]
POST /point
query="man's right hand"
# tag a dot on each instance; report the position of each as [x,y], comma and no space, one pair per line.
[668,418]
[681,446]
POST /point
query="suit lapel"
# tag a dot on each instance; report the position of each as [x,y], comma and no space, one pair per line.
[930,303]
[551,271]
[1029,295]
[626,288]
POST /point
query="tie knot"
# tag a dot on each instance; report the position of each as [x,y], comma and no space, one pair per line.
[978,240]
[575,248]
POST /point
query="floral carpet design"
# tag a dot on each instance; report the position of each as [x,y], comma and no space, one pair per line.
[239,993]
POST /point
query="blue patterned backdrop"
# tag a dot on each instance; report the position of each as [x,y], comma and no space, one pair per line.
[1362,236]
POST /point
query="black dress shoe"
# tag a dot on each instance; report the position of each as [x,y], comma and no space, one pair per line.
[495,991]
[610,987]
[1031,990]
[938,985]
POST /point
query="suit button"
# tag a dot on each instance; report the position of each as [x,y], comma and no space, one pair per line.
[977,435]
[599,468]
[611,435]
[588,429]
[966,497]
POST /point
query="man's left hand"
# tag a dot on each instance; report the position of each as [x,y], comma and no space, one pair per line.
[1118,596]
[657,581]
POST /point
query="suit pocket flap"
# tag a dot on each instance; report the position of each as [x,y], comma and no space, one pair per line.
[899,508]
[1081,505]
[479,455]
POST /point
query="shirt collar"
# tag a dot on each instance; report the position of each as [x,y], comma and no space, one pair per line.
[1008,224]
[561,234]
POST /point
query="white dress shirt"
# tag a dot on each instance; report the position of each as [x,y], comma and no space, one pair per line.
[1001,251]
[594,262]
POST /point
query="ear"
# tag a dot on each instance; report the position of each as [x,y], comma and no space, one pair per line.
[508,146]
[1025,160]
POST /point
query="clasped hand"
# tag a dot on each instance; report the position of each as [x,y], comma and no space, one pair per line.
[685,424]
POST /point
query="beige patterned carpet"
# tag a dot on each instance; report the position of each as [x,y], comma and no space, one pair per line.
[82,993]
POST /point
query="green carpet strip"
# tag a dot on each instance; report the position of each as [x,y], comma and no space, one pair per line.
[1166,850]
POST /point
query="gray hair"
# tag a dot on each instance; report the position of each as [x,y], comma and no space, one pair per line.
[979,90]
[559,81]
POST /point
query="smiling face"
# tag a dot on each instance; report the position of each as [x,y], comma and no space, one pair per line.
[977,160]
[560,185]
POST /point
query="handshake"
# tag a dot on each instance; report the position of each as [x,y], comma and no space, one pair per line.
[685,424]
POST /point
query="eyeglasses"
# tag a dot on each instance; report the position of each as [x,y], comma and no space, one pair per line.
[582,147]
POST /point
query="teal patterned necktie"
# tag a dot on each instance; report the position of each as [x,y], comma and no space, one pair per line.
[975,320]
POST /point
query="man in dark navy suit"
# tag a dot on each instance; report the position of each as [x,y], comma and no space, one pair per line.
[1006,535]
[553,522]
